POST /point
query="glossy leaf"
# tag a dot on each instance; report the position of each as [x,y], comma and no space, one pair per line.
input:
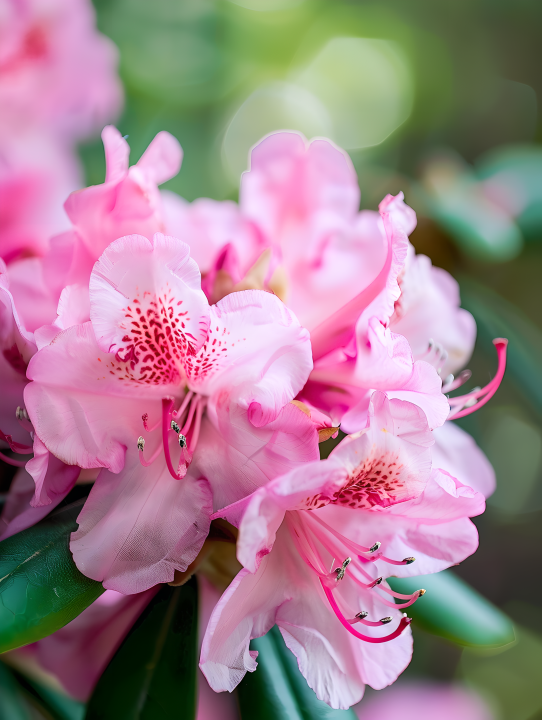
[153,674]
[311,708]
[277,690]
[50,702]
[12,704]
[267,694]
[453,610]
[41,589]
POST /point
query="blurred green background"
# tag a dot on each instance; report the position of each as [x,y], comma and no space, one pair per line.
[439,100]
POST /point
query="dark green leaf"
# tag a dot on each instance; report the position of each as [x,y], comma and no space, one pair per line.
[12,704]
[153,674]
[453,610]
[311,708]
[41,589]
[51,703]
[266,694]
[278,690]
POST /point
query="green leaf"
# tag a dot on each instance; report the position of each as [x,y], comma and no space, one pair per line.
[41,589]
[153,674]
[311,708]
[12,705]
[277,690]
[453,610]
[267,694]
[51,703]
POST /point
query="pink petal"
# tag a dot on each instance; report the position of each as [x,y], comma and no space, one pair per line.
[208,226]
[238,458]
[117,153]
[257,351]
[428,309]
[162,159]
[53,478]
[136,528]
[298,190]
[139,283]
[456,452]
[81,410]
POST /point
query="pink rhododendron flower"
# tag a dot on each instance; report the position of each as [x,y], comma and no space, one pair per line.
[155,369]
[57,72]
[377,490]
[380,317]
[425,701]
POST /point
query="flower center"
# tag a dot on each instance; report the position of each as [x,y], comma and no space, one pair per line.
[185,422]
[315,540]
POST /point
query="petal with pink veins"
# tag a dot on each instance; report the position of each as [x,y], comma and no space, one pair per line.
[147,306]
[256,351]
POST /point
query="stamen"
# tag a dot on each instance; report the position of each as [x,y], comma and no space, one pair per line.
[375,547]
[487,392]
[18,448]
[177,415]
[385,620]
[167,405]
[11,461]
[451,384]
[360,618]
[411,598]
[175,427]
[145,419]
[23,419]
[339,572]
[406,561]
[197,424]
[404,622]
[141,443]
[182,440]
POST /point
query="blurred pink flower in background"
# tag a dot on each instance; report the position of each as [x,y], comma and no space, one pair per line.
[57,73]
[58,85]
[418,700]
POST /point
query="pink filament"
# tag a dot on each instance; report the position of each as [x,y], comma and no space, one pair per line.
[345,623]
[487,392]
[197,425]
[148,428]
[15,446]
[167,405]
[11,461]
[148,463]
[369,623]
[179,413]
[390,561]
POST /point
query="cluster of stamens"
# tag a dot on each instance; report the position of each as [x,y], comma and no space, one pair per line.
[309,532]
[189,414]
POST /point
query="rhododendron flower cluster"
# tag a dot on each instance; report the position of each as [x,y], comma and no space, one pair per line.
[190,360]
